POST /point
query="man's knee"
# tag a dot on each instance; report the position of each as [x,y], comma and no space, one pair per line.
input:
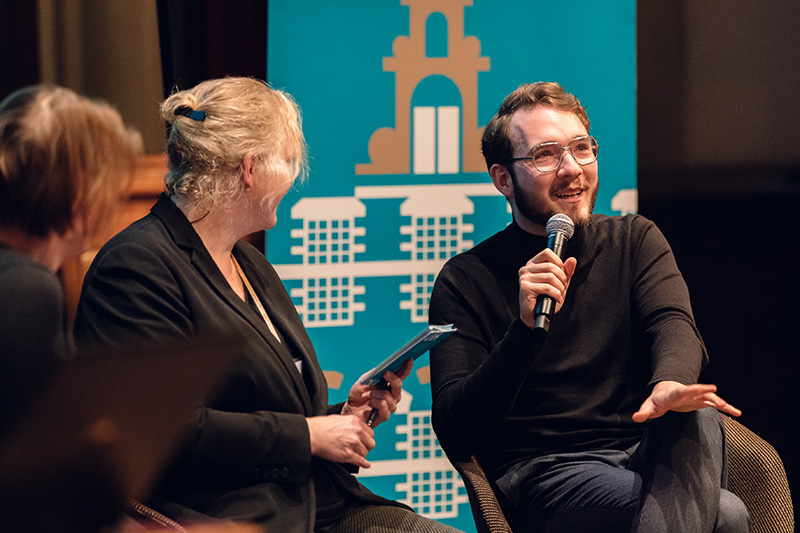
[732,516]
[710,433]
[709,417]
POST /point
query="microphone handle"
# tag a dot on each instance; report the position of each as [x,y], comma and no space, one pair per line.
[557,241]
[545,305]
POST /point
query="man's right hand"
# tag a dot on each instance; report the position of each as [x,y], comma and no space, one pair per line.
[674,396]
[341,438]
[544,274]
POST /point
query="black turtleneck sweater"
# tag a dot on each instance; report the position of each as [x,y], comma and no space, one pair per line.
[506,394]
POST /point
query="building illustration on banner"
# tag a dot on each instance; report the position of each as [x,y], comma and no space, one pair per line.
[330,271]
[425,140]
[437,140]
[431,486]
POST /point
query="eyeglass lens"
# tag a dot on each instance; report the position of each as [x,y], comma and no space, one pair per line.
[547,156]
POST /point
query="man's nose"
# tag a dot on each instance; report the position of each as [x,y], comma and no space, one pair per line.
[568,164]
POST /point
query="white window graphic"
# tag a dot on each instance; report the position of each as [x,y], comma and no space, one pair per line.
[436,237]
[437,233]
[436,140]
[328,249]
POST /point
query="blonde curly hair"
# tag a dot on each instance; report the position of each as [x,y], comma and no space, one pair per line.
[215,124]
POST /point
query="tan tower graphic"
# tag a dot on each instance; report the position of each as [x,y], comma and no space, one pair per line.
[434,143]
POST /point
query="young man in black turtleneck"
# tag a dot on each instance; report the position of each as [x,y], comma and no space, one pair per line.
[599,422]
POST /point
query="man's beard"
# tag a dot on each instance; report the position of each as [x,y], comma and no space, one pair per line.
[539,210]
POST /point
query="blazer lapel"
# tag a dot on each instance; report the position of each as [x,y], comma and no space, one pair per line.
[185,237]
[284,317]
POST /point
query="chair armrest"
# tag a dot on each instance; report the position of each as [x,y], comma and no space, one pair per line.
[486,510]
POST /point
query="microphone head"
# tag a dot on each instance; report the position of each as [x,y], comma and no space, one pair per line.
[560,223]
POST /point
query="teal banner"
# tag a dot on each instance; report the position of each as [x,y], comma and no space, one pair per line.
[395,95]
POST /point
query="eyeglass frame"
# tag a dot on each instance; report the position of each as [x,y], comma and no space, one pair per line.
[561,154]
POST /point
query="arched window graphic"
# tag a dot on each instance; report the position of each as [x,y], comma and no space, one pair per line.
[436,127]
[436,35]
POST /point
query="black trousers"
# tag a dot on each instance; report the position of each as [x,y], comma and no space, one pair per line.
[672,481]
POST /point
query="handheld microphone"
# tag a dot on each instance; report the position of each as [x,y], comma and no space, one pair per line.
[559,229]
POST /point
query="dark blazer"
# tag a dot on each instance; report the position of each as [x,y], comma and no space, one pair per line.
[248,456]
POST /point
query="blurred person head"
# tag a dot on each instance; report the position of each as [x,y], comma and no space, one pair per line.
[65,163]
[233,141]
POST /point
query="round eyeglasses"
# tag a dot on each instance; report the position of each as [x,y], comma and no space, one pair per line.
[547,156]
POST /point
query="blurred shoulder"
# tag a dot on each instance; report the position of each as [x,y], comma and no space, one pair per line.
[20,274]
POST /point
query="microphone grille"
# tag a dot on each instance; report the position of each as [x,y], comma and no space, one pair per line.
[560,223]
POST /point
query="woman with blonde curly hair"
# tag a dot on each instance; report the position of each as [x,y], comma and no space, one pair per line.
[268,448]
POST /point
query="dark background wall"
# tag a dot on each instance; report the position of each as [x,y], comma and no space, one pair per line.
[203,39]
[718,126]
[101,48]
[718,112]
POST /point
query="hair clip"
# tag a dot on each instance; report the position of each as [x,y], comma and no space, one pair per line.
[187,111]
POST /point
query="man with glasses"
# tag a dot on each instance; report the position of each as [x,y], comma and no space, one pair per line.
[598,421]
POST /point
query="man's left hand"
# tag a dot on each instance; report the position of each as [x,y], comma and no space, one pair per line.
[674,396]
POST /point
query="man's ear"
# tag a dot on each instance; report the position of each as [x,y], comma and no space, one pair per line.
[502,180]
[248,169]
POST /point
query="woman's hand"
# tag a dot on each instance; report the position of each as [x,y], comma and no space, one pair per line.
[364,398]
[340,438]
